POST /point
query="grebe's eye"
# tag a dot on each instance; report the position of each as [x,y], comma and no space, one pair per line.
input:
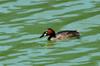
[45,33]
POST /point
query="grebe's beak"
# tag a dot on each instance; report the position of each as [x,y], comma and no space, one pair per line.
[44,34]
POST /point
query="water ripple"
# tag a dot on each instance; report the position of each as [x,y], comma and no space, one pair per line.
[23,21]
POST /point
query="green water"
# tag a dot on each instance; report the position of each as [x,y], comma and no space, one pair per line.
[23,21]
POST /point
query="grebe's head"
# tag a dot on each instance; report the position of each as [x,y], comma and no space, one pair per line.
[50,32]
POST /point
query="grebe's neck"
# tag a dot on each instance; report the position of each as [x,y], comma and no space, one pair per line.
[52,36]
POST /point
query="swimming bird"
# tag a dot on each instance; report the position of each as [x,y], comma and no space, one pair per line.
[65,34]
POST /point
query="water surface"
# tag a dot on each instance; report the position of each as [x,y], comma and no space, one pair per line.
[23,21]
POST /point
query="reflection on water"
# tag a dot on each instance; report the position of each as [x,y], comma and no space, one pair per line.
[23,21]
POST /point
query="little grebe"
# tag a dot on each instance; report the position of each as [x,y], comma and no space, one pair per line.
[60,35]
